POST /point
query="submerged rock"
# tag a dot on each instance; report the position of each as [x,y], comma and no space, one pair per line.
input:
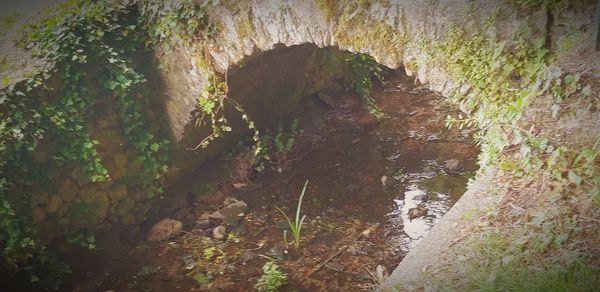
[416,212]
[453,166]
[164,229]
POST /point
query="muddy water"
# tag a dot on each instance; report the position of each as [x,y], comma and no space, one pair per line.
[363,174]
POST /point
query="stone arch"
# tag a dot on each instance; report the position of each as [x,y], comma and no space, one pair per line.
[389,31]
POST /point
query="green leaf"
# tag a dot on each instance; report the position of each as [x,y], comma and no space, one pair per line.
[574,178]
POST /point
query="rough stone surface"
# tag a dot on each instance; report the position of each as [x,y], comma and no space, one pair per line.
[165,229]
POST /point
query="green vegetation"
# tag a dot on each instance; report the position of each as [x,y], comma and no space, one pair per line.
[509,77]
[212,104]
[96,38]
[365,69]
[8,22]
[296,226]
[272,278]
[275,147]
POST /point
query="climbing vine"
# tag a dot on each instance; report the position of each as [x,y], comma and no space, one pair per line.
[505,79]
[77,40]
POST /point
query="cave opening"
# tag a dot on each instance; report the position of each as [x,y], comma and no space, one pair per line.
[381,165]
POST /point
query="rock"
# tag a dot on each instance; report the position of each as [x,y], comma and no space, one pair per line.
[247,256]
[211,199]
[164,229]
[117,194]
[219,232]
[384,181]
[91,209]
[421,197]
[367,120]
[276,252]
[433,137]
[239,186]
[146,271]
[416,212]
[240,230]
[453,165]
[367,232]
[326,99]
[232,213]
[185,215]
[124,210]
[381,273]
[55,203]
[216,215]
[67,190]
[203,224]
[229,200]
[37,214]
[333,89]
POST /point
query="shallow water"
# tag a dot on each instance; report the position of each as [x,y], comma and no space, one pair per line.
[346,154]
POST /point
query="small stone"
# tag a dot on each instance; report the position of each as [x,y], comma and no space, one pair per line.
[230,214]
[219,232]
[239,186]
[381,273]
[453,165]
[240,230]
[247,256]
[147,271]
[229,200]
[204,215]
[326,99]
[420,198]
[165,229]
[384,181]
[276,252]
[203,224]
[433,137]
[416,212]
[366,233]
[217,216]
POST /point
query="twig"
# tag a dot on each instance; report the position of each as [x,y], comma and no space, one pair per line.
[323,263]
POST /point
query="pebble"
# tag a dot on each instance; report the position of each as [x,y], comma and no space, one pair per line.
[219,232]
[247,256]
[276,252]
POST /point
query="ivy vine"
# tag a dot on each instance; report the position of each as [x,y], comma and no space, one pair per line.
[77,38]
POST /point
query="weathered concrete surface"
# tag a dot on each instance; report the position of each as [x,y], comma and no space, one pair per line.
[432,251]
